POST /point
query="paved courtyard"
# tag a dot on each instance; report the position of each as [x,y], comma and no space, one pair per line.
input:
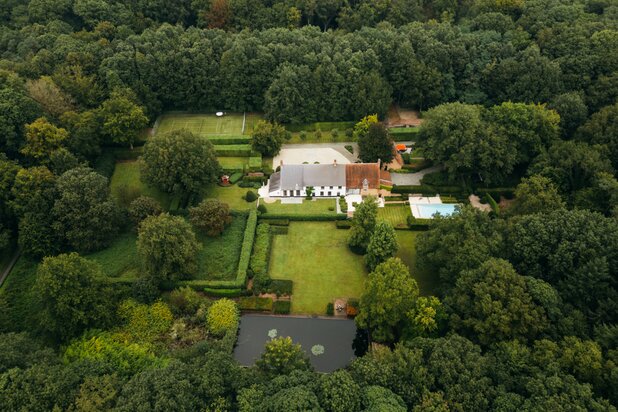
[323,153]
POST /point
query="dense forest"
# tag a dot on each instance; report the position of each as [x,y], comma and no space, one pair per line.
[517,93]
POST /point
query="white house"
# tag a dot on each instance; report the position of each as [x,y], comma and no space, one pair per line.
[328,180]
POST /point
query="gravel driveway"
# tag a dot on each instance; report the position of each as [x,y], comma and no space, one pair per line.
[413,179]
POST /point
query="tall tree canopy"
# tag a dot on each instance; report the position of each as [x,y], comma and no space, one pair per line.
[179,162]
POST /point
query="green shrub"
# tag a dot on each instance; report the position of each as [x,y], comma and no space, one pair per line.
[255,303]
[261,250]
[318,134]
[184,301]
[302,135]
[334,134]
[250,196]
[418,224]
[440,178]
[428,190]
[243,183]
[349,133]
[343,224]
[228,140]
[281,286]
[261,283]
[282,307]
[349,148]
[330,309]
[262,209]
[222,316]
[105,164]
[406,158]
[497,192]
[343,205]
[235,177]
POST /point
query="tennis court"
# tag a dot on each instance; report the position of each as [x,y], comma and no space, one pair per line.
[202,124]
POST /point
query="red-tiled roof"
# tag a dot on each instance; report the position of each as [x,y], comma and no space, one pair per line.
[355,173]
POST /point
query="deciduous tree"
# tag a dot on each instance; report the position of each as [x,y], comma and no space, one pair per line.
[382,245]
[281,356]
[71,295]
[492,304]
[179,162]
[42,138]
[167,247]
[222,316]
[267,138]
[83,211]
[363,224]
[121,120]
[390,293]
[376,145]
[536,194]
[211,216]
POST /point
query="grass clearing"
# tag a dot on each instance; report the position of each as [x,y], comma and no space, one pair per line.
[316,257]
[232,195]
[17,301]
[233,162]
[395,214]
[119,260]
[308,207]
[427,283]
[218,258]
[127,177]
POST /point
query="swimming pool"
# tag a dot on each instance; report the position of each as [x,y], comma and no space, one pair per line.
[426,211]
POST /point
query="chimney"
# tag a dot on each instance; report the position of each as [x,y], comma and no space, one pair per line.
[379,163]
[335,163]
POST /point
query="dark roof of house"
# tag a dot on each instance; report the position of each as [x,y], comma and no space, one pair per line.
[295,177]
[356,173]
[275,182]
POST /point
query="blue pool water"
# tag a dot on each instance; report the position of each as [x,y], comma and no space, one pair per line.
[427,211]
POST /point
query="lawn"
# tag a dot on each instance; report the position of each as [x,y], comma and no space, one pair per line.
[126,178]
[315,256]
[427,283]
[396,214]
[232,195]
[218,258]
[308,207]
[233,162]
[119,260]
[17,300]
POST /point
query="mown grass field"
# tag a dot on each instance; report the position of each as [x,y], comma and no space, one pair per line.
[316,257]
[427,283]
[218,258]
[126,178]
[308,207]
[396,214]
[208,124]
[232,195]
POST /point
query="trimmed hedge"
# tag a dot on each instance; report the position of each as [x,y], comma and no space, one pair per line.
[228,140]
[400,134]
[225,293]
[282,307]
[330,309]
[308,217]
[261,250]
[343,224]
[254,179]
[255,303]
[247,246]
[235,177]
[234,150]
[280,287]
[276,222]
[279,230]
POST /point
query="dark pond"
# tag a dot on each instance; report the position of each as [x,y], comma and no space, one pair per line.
[335,335]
